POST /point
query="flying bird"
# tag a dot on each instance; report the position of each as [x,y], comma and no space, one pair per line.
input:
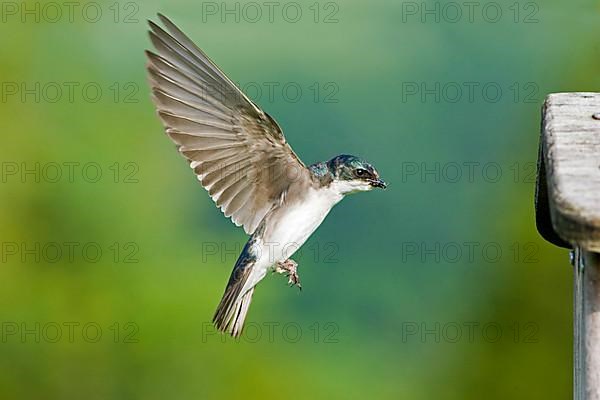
[242,159]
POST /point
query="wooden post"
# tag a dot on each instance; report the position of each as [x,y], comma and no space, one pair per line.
[568,215]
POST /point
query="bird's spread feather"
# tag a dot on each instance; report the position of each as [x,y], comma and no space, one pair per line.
[237,151]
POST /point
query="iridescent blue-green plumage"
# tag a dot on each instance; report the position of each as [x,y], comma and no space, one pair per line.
[321,173]
[342,167]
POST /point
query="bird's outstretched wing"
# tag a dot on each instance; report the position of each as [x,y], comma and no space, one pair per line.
[237,151]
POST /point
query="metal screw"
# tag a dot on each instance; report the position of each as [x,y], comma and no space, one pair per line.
[596,116]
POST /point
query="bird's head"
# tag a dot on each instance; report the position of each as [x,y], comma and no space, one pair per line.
[352,174]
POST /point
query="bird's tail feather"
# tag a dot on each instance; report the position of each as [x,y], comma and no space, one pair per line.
[230,314]
[232,310]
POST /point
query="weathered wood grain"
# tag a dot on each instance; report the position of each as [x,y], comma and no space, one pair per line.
[591,315]
[570,148]
[586,320]
[568,215]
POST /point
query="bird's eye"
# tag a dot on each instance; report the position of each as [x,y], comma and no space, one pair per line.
[360,172]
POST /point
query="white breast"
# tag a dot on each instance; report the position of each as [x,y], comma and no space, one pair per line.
[297,222]
[289,227]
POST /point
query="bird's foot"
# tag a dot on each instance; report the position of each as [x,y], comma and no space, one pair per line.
[290,268]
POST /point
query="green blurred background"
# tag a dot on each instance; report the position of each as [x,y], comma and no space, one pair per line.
[387,300]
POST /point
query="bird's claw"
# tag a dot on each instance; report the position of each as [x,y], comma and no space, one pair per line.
[290,268]
[294,279]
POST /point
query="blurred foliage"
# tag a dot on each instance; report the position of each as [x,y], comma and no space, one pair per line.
[363,290]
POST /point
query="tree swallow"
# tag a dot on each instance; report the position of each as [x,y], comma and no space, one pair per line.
[242,159]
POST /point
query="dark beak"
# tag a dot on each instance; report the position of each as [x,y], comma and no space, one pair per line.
[379,183]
